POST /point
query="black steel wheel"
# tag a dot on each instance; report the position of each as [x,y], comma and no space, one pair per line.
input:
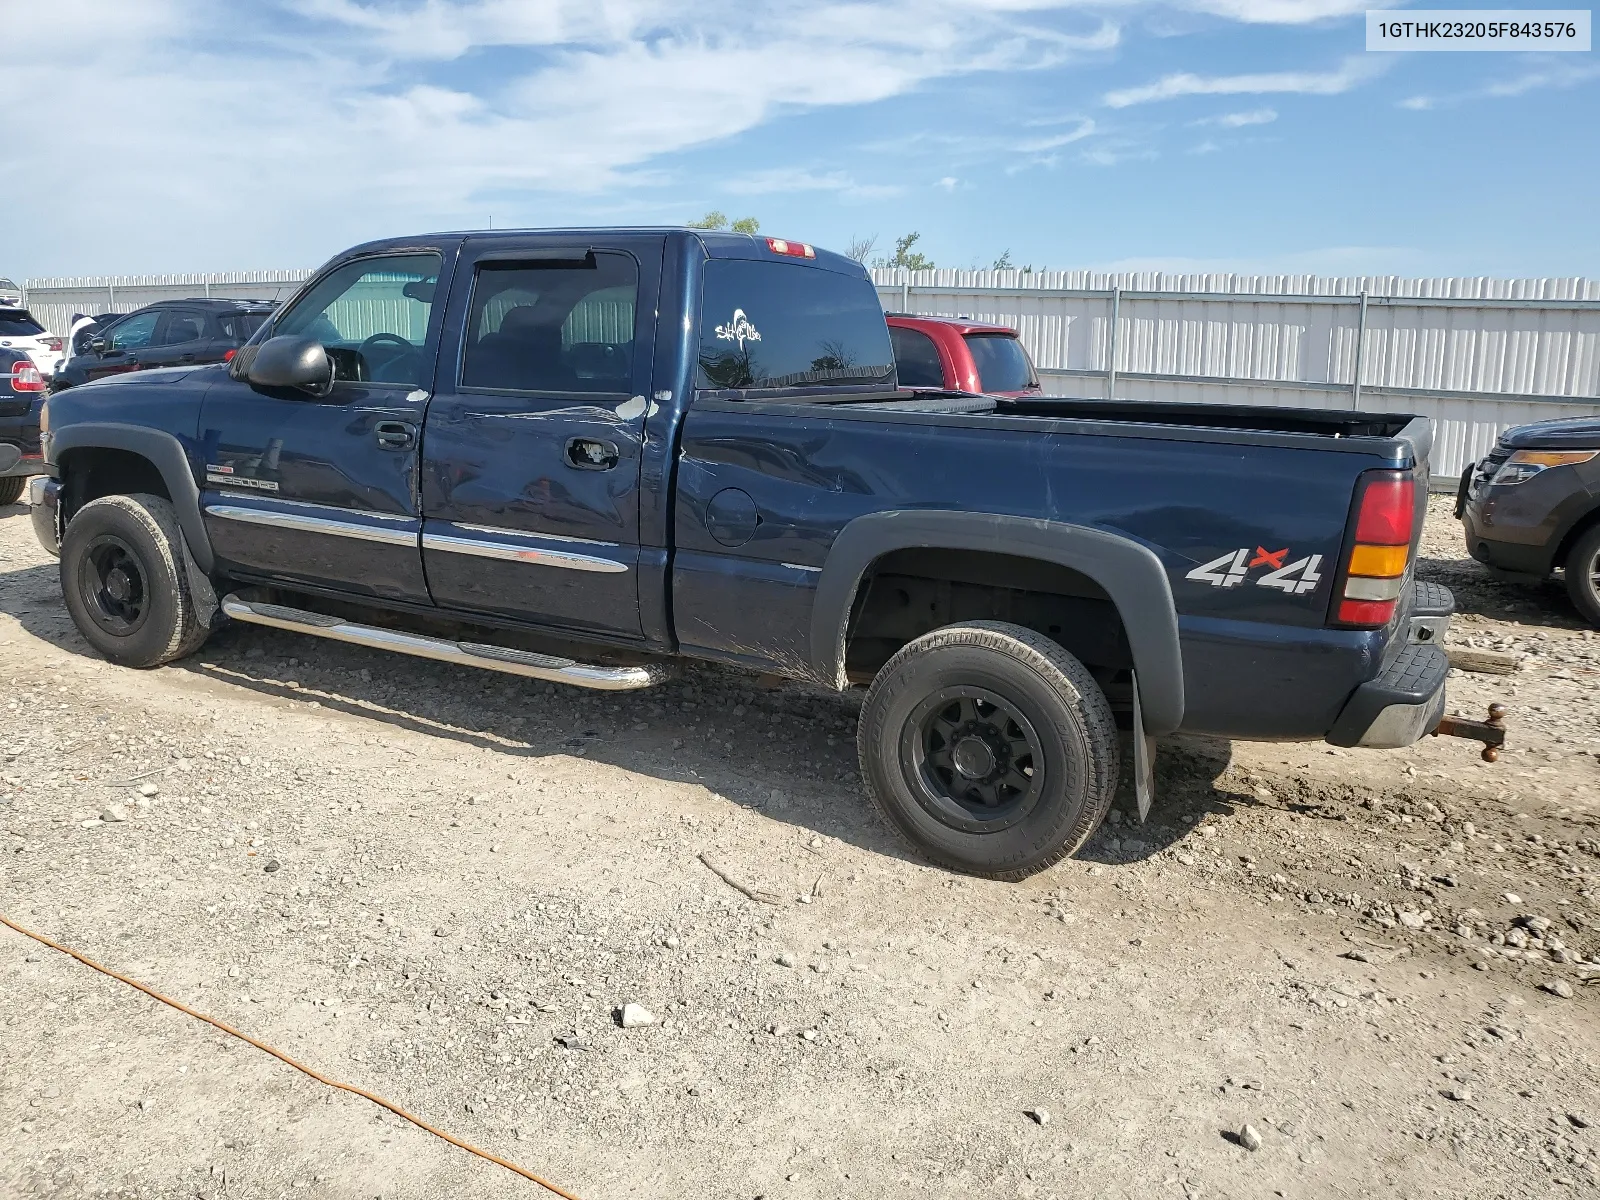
[125,582]
[989,748]
[979,763]
[1583,576]
[112,586]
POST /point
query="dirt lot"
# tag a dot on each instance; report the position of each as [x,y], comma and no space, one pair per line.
[440,884]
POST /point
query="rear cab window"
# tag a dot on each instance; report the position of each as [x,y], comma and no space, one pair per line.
[19,323]
[1002,363]
[783,326]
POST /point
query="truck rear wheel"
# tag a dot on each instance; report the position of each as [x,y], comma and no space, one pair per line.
[123,579]
[11,489]
[1583,576]
[989,748]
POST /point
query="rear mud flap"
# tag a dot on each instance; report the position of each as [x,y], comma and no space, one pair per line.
[1144,759]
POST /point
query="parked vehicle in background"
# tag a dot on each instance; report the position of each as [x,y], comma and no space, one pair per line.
[22,392]
[579,455]
[10,294]
[19,331]
[84,327]
[953,354]
[168,333]
[1532,506]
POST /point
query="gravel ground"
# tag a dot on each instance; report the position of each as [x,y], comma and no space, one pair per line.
[441,885]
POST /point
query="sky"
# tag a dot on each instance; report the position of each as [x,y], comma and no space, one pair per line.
[1184,135]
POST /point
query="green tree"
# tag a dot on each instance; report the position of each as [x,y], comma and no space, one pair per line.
[1003,263]
[905,257]
[717,219]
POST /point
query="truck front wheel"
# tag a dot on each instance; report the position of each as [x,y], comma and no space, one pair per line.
[989,748]
[123,580]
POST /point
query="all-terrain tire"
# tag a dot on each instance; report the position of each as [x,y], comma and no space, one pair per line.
[124,582]
[1583,576]
[11,489]
[968,699]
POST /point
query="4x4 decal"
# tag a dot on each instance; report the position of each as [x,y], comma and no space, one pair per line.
[1234,567]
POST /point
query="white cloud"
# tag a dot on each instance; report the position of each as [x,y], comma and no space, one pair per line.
[1239,120]
[1351,72]
[795,179]
[1205,147]
[1561,75]
[1283,12]
[948,184]
[1085,128]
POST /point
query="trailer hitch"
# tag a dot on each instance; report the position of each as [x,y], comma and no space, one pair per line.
[1492,733]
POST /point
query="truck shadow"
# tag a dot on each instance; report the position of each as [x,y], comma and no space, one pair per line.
[785,750]
[1544,604]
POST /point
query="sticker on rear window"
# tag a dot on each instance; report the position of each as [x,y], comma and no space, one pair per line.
[739,329]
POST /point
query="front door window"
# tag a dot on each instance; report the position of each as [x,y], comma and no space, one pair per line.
[134,333]
[371,315]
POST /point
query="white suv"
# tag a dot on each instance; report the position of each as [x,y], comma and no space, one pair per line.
[19,331]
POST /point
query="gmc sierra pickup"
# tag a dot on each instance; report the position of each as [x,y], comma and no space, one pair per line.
[575,455]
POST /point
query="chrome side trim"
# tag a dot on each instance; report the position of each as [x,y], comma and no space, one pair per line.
[801,567]
[506,531]
[493,658]
[513,552]
[306,523]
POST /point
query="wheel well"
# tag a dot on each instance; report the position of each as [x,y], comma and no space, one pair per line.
[91,473]
[1582,526]
[907,593]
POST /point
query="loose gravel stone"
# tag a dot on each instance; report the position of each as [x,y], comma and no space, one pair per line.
[635,1016]
[1250,1138]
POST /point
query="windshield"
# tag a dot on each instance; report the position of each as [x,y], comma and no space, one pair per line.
[18,324]
[1002,363]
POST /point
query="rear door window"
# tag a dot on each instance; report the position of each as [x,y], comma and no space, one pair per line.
[1002,363]
[182,327]
[555,326]
[783,325]
[916,359]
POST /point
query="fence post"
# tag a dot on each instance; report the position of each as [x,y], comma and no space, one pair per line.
[1361,345]
[1111,345]
[905,289]
[111,291]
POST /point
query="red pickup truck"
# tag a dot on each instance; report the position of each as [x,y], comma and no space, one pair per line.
[954,354]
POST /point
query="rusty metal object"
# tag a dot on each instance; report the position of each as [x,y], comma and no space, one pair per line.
[1492,733]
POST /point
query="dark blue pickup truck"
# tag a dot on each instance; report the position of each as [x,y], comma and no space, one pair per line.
[577,455]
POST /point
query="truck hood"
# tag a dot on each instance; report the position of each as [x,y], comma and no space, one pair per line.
[1569,433]
[156,375]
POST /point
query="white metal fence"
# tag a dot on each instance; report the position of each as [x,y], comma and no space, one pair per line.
[1476,355]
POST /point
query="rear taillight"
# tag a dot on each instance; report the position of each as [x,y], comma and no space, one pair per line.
[228,354]
[1375,565]
[25,377]
[53,344]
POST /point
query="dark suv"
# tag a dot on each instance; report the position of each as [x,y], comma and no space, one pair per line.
[169,333]
[1533,504]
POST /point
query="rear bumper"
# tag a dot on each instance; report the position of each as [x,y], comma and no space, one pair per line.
[44,501]
[1404,703]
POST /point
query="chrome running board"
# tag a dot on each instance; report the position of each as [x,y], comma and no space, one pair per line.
[469,654]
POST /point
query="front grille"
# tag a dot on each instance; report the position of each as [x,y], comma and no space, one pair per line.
[1491,463]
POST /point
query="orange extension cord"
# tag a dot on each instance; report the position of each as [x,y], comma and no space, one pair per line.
[282,1057]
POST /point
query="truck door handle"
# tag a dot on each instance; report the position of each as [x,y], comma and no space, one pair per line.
[394,435]
[186,357]
[592,454]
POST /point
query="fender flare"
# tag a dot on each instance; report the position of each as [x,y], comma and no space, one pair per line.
[166,453]
[1128,571]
